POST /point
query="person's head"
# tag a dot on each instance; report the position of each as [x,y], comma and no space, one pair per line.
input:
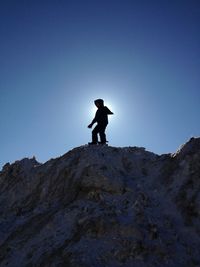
[99,103]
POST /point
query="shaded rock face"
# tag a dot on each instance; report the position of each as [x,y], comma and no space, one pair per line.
[102,206]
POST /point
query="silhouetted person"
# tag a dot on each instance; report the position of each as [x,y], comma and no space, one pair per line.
[101,117]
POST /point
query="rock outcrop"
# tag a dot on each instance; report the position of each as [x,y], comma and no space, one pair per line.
[102,206]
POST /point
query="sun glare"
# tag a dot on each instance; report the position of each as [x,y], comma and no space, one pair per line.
[106,103]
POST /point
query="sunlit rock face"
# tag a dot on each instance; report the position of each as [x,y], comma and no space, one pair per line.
[102,206]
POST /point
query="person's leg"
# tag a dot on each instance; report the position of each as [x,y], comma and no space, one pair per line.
[94,134]
[102,134]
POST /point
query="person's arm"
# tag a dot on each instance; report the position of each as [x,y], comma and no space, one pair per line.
[108,111]
[93,121]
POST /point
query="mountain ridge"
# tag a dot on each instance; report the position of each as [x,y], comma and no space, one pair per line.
[102,206]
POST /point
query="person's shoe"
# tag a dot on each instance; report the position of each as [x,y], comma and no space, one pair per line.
[102,143]
[92,143]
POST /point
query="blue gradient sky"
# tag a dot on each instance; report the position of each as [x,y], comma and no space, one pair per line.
[56,57]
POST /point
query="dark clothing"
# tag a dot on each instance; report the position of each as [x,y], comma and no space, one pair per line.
[101,116]
[100,128]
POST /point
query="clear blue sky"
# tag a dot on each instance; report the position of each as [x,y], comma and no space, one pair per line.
[56,57]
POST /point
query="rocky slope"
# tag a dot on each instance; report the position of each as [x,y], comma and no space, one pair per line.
[102,206]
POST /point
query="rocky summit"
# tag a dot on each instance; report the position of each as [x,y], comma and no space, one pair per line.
[101,206]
